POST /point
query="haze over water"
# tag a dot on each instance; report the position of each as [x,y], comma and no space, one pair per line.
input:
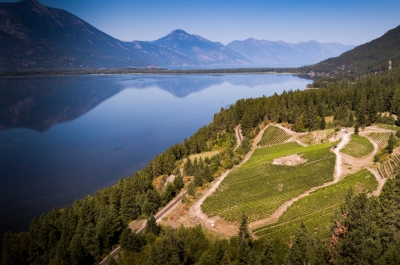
[63,137]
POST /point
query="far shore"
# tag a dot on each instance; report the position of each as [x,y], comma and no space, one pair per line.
[53,72]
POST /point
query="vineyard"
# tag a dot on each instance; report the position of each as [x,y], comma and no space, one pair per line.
[259,187]
[272,136]
[358,146]
[317,209]
[322,135]
[387,169]
[381,138]
[316,137]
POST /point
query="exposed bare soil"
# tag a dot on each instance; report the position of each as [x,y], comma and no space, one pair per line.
[292,160]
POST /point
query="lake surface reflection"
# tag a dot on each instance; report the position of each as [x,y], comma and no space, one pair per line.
[62,137]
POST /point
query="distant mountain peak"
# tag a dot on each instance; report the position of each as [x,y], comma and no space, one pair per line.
[178,31]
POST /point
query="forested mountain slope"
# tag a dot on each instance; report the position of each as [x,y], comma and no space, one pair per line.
[370,57]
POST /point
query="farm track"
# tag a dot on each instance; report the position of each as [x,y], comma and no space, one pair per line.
[239,136]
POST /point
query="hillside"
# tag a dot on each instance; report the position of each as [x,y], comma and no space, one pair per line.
[370,57]
[279,52]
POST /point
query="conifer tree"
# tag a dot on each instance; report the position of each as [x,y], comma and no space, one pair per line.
[245,241]
[191,189]
[152,226]
[391,143]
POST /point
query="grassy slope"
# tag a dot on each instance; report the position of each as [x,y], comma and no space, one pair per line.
[358,146]
[258,187]
[317,209]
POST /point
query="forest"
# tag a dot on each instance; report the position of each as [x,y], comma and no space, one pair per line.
[364,231]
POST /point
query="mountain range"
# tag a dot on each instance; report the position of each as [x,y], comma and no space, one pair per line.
[34,36]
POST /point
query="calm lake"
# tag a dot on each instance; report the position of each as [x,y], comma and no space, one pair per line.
[62,137]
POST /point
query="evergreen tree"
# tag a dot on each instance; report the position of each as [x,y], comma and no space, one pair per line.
[356,128]
[322,124]
[351,119]
[129,240]
[391,143]
[78,255]
[356,235]
[245,241]
[178,183]
[152,226]
[267,255]
[188,167]
[191,189]
[301,251]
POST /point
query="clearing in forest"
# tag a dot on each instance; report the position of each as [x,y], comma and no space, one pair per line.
[358,146]
[259,187]
[272,136]
[317,209]
[380,138]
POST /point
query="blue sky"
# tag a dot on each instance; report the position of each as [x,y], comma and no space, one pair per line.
[347,22]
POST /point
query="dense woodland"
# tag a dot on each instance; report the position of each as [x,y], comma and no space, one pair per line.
[86,231]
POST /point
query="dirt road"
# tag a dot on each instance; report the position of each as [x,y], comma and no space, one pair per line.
[239,136]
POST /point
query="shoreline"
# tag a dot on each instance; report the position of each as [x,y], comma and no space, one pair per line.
[120,71]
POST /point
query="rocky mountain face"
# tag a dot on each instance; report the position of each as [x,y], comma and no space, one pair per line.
[279,52]
[200,49]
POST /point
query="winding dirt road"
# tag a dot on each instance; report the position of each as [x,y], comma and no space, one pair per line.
[239,136]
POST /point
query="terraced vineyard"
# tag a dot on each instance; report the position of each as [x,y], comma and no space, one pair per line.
[322,135]
[358,146]
[381,138]
[386,169]
[272,136]
[259,187]
[316,137]
[317,209]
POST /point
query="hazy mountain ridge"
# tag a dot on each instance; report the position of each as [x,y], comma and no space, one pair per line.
[33,36]
[279,52]
[200,49]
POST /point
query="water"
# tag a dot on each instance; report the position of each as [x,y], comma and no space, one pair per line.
[62,137]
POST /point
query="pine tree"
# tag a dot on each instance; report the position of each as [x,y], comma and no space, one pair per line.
[178,183]
[301,248]
[191,189]
[152,226]
[391,143]
[188,167]
[245,241]
[267,255]
[356,128]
